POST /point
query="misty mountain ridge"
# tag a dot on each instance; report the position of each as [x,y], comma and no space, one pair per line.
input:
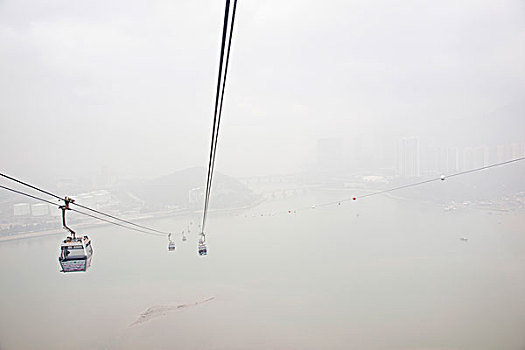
[186,188]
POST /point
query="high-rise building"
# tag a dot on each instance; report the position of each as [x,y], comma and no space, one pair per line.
[500,153]
[518,150]
[448,160]
[475,157]
[409,158]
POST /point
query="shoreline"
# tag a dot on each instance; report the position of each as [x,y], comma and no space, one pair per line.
[229,211]
[157,215]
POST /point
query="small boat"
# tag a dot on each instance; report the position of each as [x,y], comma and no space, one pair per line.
[171,246]
[465,239]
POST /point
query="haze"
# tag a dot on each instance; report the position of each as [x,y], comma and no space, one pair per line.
[334,221]
[128,86]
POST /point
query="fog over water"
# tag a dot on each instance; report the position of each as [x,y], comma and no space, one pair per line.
[376,274]
[112,103]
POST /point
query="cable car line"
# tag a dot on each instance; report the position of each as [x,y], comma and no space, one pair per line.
[119,219]
[31,186]
[441,178]
[217,117]
[222,97]
[216,120]
[487,167]
[78,205]
[77,211]
[116,223]
[28,195]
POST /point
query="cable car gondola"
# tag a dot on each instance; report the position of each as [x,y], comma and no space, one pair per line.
[75,252]
[203,250]
[171,244]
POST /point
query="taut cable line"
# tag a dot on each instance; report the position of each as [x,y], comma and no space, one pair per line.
[441,178]
[218,108]
[141,227]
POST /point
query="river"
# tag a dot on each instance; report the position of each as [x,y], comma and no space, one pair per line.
[377,273]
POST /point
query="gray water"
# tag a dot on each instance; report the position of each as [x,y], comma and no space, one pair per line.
[371,274]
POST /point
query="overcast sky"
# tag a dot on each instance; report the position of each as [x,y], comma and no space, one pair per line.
[129,85]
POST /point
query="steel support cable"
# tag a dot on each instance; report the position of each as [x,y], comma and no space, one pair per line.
[79,205]
[418,183]
[77,211]
[117,224]
[29,195]
[486,167]
[222,96]
[30,186]
[222,90]
[122,220]
[215,119]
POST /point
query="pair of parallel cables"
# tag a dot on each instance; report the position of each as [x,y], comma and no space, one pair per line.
[115,220]
[219,98]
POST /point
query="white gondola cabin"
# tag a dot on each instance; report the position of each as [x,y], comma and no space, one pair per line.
[171,244]
[75,254]
[202,248]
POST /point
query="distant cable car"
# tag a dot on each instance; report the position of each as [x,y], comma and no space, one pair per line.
[75,252]
[171,244]
[202,245]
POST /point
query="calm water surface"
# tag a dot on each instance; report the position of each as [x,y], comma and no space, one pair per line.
[372,274]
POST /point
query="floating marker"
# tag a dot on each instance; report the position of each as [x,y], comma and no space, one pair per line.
[354,198]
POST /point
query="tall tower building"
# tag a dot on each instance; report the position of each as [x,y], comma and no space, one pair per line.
[475,157]
[448,160]
[409,158]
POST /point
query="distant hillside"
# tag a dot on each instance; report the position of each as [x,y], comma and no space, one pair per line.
[174,190]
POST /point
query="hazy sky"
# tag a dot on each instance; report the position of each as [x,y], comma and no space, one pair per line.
[129,85]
